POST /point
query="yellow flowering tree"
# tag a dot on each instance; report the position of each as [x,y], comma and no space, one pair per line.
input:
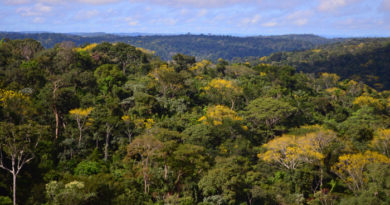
[351,168]
[220,89]
[200,66]
[328,80]
[134,124]
[335,93]
[87,48]
[353,87]
[81,117]
[15,104]
[368,101]
[216,115]
[388,103]
[381,141]
[225,124]
[290,151]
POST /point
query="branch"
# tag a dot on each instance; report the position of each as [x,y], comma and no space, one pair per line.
[1,162]
[22,163]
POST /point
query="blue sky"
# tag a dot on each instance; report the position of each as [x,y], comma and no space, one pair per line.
[234,17]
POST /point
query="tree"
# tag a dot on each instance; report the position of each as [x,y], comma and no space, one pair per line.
[182,62]
[328,80]
[225,182]
[81,117]
[188,161]
[351,168]
[219,89]
[221,66]
[223,122]
[16,105]
[368,101]
[217,114]
[267,112]
[18,143]
[381,141]
[72,193]
[125,55]
[107,76]
[169,81]
[135,124]
[147,148]
[291,151]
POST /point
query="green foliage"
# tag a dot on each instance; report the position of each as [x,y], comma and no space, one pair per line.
[87,168]
[71,193]
[267,113]
[108,76]
[5,200]
[116,125]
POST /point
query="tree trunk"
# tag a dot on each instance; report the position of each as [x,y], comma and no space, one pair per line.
[57,121]
[165,171]
[80,138]
[124,68]
[108,132]
[144,172]
[177,182]
[129,135]
[14,172]
[80,130]
[321,177]
[55,88]
[145,184]
[14,187]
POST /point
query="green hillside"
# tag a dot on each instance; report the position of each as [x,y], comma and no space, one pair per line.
[364,60]
[209,47]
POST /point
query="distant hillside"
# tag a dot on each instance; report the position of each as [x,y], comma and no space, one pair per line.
[366,60]
[201,46]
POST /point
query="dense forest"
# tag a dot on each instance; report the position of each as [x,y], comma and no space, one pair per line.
[110,123]
[210,47]
[358,59]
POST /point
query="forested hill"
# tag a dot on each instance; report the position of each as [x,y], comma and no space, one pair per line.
[364,60]
[111,124]
[209,47]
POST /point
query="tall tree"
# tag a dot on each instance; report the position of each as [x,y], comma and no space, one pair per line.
[147,148]
[18,143]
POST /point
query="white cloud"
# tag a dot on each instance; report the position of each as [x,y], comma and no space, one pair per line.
[37,10]
[131,21]
[252,20]
[270,24]
[42,8]
[299,18]
[38,20]
[165,21]
[301,22]
[202,12]
[331,5]
[82,15]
